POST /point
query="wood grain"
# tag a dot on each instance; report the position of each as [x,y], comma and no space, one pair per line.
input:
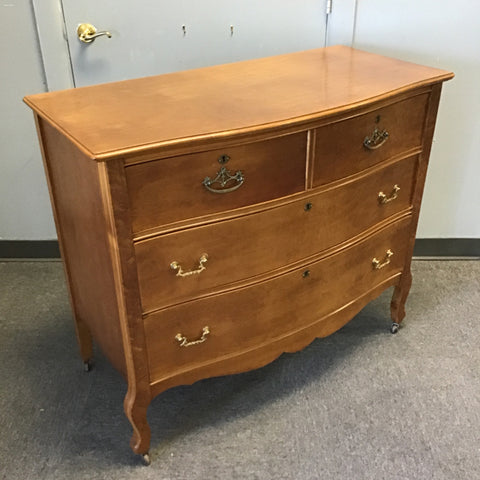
[85,243]
[400,294]
[263,354]
[336,215]
[403,120]
[138,396]
[84,336]
[171,189]
[284,304]
[128,117]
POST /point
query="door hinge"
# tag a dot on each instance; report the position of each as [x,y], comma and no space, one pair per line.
[329,7]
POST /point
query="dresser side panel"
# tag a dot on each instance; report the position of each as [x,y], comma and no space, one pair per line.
[401,291]
[85,240]
[419,181]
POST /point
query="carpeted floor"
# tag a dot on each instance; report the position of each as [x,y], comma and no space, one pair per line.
[360,404]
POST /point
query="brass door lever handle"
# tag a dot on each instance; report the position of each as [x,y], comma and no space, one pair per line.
[87,33]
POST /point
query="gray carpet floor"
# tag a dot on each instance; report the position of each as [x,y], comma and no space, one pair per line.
[360,404]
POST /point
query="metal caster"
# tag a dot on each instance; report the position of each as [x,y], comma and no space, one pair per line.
[394,328]
[87,366]
[146,459]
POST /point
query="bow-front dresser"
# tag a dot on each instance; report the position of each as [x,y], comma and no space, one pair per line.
[212,219]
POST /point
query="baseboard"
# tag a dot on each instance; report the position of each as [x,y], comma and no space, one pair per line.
[12,249]
[447,247]
[424,247]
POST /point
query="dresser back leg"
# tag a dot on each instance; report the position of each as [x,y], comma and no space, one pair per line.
[84,338]
[399,298]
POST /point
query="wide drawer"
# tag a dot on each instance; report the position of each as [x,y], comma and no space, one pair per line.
[250,245]
[174,189]
[225,324]
[341,150]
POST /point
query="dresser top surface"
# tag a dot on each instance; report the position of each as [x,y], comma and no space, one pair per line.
[131,116]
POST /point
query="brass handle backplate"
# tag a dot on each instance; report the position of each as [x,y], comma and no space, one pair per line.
[382,198]
[377,264]
[201,267]
[183,341]
[223,178]
[87,33]
[376,139]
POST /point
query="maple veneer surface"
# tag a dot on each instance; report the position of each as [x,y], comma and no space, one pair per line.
[142,113]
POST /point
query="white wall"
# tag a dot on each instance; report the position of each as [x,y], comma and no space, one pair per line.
[434,32]
[442,34]
[24,203]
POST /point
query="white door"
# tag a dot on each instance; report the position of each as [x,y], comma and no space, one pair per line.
[153,36]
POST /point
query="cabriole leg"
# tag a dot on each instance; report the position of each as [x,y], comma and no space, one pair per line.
[136,412]
[399,298]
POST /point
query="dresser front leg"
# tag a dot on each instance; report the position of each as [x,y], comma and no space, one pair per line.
[399,298]
[136,406]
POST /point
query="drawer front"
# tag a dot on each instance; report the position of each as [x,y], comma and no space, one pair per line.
[174,189]
[240,248]
[229,323]
[340,149]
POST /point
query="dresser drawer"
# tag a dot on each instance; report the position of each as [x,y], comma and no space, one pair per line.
[230,323]
[240,248]
[174,189]
[339,147]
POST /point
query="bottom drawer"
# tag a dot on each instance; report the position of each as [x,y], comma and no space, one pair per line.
[203,330]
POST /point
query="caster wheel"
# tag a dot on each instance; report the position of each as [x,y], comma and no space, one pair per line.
[394,328]
[146,459]
[87,366]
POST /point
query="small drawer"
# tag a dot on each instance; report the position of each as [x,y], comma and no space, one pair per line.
[219,326]
[178,188]
[178,266]
[350,146]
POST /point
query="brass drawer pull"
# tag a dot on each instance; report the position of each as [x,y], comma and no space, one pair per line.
[223,178]
[185,343]
[377,264]
[200,269]
[382,198]
[376,139]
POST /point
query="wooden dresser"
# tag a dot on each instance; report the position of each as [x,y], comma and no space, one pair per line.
[213,219]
